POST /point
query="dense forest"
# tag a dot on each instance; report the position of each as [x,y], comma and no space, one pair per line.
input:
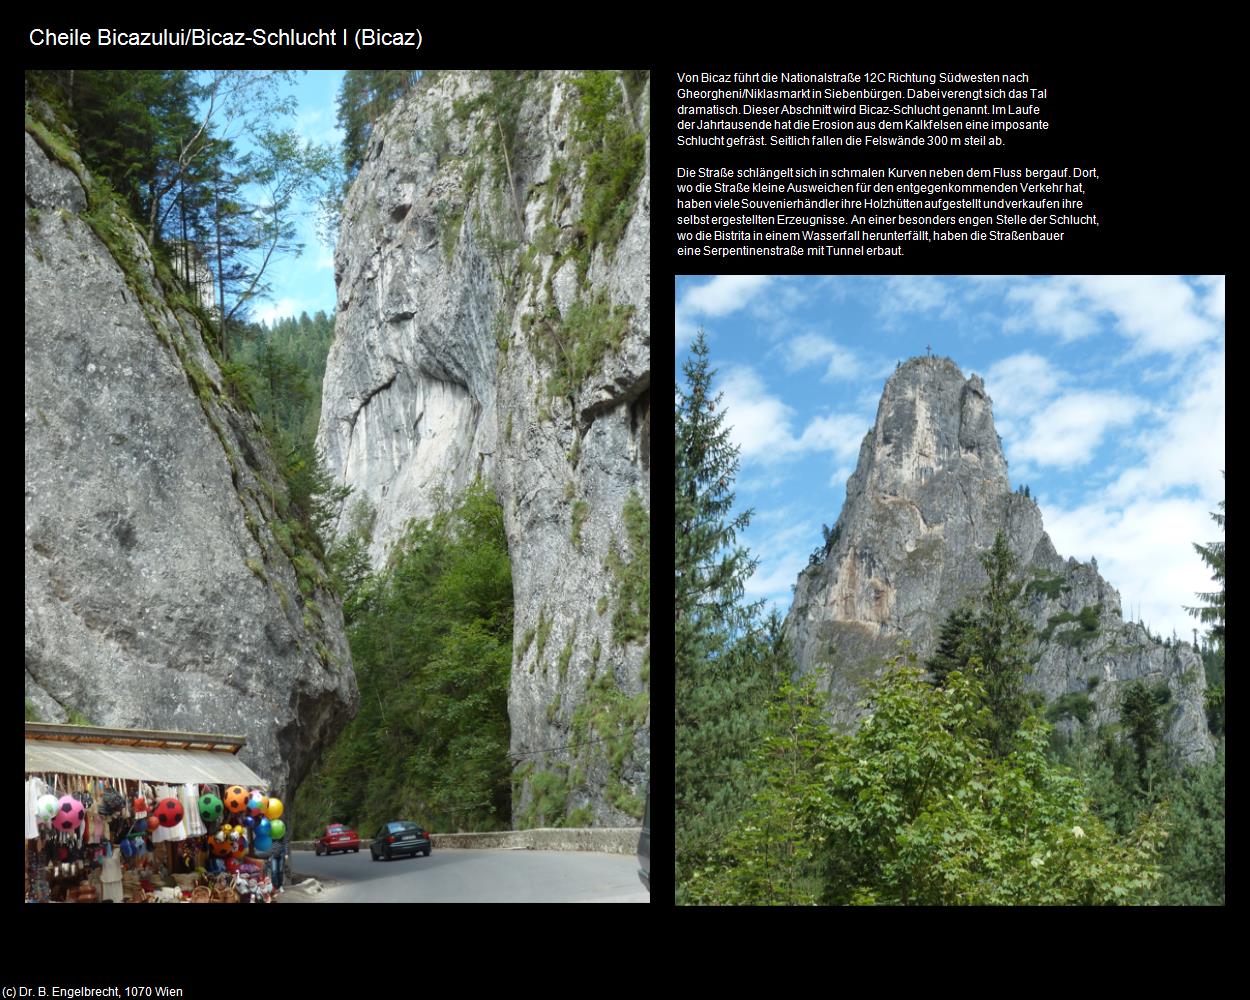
[958,789]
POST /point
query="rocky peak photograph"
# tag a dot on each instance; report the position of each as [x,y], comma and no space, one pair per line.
[976,524]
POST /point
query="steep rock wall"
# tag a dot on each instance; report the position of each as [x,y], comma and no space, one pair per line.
[494,320]
[163,588]
[928,496]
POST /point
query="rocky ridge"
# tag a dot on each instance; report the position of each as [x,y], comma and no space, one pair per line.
[929,494]
[165,586]
[493,320]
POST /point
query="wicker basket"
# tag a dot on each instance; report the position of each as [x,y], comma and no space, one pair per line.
[201,894]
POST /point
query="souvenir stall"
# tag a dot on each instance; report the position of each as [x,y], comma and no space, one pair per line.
[142,816]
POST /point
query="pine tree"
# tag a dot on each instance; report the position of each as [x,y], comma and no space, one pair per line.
[721,685]
[997,644]
[1213,612]
[953,645]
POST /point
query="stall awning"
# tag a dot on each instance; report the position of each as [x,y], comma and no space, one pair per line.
[175,765]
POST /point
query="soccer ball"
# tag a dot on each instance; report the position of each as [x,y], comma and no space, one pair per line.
[69,813]
[168,812]
[236,799]
[211,809]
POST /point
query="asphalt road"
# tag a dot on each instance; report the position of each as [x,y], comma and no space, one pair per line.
[469,876]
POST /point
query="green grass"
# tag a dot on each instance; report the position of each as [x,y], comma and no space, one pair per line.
[580,510]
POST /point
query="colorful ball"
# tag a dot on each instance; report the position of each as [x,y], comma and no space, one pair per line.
[263,843]
[277,829]
[275,809]
[263,828]
[211,808]
[236,799]
[153,822]
[141,806]
[249,821]
[47,806]
[168,812]
[222,848]
[69,813]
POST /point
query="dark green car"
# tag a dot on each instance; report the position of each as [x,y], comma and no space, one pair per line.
[644,845]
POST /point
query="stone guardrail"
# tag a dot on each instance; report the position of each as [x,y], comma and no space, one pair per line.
[606,840]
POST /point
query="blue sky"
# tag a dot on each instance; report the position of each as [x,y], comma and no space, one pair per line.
[304,283]
[1108,393]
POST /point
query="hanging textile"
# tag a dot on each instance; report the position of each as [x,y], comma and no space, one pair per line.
[33,792]
[189,797]
[164,833]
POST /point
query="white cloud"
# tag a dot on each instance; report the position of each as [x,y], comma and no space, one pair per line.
[839,433]
[724,294]
[809,349]
[1187,448]
[1213,302]
[840,475]
[1144,549]
[1157,313]
[1021,383]
[761,424]
[1051,309]
[1066,432]
[914,293]
[279,309]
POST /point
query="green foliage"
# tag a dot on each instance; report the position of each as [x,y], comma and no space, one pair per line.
[768,859]
[32,713]
[1074,704]
[549,792]
[580,509]
[916,809]
[608,715]
[1140,716]
[994,647]
[574,346]
[1193,862]
[922,811]
[432,649]
[1212,609]
[723,676]
[365,95]
[1048,585]
[631,578]
[954,645]
[613,150]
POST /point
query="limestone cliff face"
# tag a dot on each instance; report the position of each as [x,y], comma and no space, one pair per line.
[928,496]
[162,589]
[494,320]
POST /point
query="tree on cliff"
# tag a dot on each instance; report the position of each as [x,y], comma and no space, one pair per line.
[723,662]
[365,95]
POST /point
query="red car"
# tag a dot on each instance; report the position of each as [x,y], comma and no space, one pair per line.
[338,838]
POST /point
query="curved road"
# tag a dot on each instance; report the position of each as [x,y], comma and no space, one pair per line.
[473,876]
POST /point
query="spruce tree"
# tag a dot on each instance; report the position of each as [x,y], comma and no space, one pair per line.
[997,645]
[953,645]
[721,685]
[1213,612]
